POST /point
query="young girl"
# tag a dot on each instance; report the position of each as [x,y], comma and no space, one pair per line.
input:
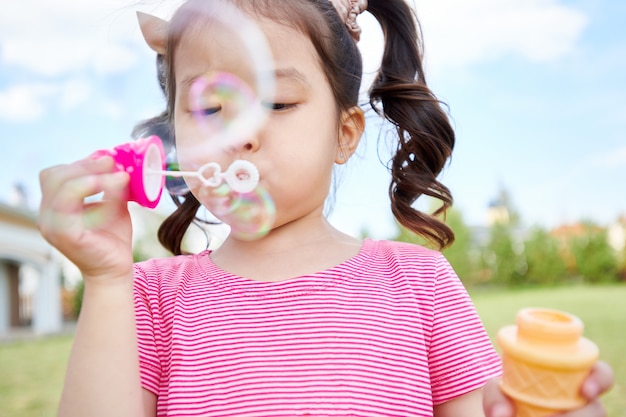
[305,321]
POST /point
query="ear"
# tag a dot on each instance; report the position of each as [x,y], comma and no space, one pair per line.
[351,129]
[154,31]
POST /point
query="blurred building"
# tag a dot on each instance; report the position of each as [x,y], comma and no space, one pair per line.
[30,276]
[498,213]
[617,235]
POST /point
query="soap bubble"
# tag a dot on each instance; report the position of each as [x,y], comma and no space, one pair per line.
[227,105]
[250,215]
[227,100]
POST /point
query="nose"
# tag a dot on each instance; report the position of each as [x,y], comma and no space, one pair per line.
[243,145]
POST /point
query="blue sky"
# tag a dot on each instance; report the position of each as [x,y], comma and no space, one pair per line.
[536,90]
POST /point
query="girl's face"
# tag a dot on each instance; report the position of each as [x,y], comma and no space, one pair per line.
[297,145]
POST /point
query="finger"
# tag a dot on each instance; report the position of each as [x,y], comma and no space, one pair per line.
[115,187]
[70,196]
[495,403]
[599,381]
[82,167]
[53,178]
[65,216]
[591,409]
[100,214]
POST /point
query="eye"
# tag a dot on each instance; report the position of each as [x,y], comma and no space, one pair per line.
[279,106]
[208,111]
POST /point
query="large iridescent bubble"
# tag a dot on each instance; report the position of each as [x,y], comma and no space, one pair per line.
[229,99]
[227,103]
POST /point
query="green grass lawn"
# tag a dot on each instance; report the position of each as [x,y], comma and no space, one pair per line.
[31,372]
[31,376]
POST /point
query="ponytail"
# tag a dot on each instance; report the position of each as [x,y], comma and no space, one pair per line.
[425,136]
[173,229]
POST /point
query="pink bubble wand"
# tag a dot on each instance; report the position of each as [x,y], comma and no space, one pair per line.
[249,210]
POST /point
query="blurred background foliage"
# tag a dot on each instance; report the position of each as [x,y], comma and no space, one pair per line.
[507,254]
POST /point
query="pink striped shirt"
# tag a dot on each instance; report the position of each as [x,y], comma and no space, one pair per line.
[390,332]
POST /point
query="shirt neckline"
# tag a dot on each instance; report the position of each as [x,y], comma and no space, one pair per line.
[291,287]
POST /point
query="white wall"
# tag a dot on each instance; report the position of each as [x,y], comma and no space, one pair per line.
[5,315]
[40,267]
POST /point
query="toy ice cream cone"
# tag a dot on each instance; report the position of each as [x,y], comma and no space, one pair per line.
[545,360]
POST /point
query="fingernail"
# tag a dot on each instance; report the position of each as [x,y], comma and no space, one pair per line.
[591,390]
[121,177]
[500,410]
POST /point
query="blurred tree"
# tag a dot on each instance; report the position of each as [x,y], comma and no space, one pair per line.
[596,260]
[462,254]
[622,265]
[545,264]
[405,235]
[511,257]
[503,257]
[78,298]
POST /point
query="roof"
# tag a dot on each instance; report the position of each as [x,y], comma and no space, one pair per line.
[21,216]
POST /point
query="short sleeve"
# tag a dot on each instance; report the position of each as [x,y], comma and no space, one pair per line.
[147,323]
[461,357]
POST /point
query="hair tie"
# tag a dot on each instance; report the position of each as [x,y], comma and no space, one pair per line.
[349,10]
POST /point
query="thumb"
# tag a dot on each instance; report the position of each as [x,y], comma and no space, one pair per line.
[495,403]
[599,381]
[100,214]
[115,186]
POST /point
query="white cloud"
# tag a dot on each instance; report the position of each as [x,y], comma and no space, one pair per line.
[22,103]
[61,36]
[51,58]
[458,33]
[25,103]
[52,38]
[113,109]
[60,44]
[114,59]
[74,93]
[611,159]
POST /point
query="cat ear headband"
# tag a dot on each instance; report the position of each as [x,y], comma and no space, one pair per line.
[154,31]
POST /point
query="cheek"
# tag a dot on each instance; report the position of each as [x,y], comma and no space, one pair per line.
[192,150]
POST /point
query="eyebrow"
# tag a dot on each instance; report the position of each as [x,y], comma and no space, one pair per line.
[187,82]
[288,73]
[292,74]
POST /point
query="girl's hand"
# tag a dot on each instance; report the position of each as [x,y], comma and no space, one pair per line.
[97,236]
[599,381]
